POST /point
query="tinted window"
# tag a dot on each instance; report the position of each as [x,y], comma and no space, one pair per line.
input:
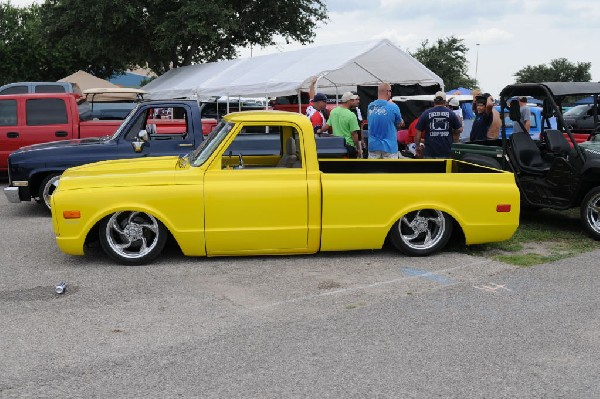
[46,111]
[49,89]
[8,112]
[15,90]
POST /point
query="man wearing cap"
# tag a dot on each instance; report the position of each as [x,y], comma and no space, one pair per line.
[315,109]
[441,128]
[344,124]
[384,120]
[525,117]
[484,116]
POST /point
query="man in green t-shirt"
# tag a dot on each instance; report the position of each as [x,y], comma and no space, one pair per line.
[344,124]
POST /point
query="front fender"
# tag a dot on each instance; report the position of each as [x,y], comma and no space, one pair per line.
[184,220]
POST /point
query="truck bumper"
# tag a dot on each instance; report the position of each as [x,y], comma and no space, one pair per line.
[12,194]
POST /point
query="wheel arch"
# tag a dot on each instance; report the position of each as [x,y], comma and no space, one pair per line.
[92,226]
[37,177]
[452,213]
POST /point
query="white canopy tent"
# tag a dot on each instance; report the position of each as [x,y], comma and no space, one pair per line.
[340,68]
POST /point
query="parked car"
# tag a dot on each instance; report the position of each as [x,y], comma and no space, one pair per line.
[34,171]
[217,204]
[536,122]
[112,103]
[581,118]
[27,119]
[40,87]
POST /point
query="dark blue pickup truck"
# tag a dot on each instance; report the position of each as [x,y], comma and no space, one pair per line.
[34,171]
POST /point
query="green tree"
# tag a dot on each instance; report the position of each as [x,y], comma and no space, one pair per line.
[21,46]
[111,35]
[559,70]
[447,59]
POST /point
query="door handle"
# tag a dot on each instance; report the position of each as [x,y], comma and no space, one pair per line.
[61,133]
[12,135]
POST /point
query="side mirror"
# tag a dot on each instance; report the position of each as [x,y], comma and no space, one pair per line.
[514,112]
[138,145]
[143,135]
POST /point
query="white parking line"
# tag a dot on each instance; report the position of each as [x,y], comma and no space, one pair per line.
[365,287]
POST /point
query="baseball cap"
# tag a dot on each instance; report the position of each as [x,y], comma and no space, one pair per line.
[454,102]
[347,96]
[320,97]
[440,94]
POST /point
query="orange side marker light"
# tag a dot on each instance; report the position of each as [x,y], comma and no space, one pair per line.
[71,214]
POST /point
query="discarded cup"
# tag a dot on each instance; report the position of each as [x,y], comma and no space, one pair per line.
[60,288]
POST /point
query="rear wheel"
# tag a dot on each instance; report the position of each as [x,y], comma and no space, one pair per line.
[132,238]
[49,184]
[421,232]
[590,213]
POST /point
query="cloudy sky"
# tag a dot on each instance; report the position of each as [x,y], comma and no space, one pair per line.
[511,33]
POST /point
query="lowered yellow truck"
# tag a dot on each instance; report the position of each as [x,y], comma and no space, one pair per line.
[217,202]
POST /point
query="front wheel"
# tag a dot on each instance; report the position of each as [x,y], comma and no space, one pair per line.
[590,213]
[49,184]
[132,238]
[421,232]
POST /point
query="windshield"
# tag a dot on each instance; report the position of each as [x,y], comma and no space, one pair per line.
[125,122]
[577,111]
[210,143]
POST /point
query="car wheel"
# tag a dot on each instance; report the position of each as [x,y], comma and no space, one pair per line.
[49,184]
[421,232]
[590,213]
[132,238]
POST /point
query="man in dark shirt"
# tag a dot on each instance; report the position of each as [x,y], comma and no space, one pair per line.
[441,128]
[483,118]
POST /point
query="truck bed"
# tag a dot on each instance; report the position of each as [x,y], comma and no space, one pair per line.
[401,166]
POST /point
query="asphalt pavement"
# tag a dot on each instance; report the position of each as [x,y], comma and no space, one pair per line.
[336,325]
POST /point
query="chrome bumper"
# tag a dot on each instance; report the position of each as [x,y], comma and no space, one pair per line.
[12,194]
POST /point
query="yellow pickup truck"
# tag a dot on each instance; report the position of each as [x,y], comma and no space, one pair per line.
[215,202]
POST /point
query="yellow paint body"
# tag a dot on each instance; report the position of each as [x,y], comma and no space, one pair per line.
[214,209]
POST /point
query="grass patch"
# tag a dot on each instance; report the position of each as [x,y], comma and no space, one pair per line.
[543,236]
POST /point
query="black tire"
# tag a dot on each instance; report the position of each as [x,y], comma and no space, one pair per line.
[482,160]
[46,189]
[422,232]
[132,238]
[590,212]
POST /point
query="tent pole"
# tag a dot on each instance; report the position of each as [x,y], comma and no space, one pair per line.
[299,102]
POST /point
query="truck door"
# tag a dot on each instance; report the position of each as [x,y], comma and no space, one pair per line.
[46,119]
[165,136]
[10,131]
[260,205]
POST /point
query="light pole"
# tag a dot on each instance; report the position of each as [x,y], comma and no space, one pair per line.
[476,60]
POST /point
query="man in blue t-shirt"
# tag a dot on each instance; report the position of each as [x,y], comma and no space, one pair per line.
[384,120]
[440,127]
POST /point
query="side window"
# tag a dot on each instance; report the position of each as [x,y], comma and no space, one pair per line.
[46,111]
[15,90]
[533,120]
[263,146]
[49,89]
[174,128]
[8,112]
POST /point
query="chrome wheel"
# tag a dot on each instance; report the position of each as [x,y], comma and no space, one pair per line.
[422,232]
[590,212]
[47,188]
[132,237]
